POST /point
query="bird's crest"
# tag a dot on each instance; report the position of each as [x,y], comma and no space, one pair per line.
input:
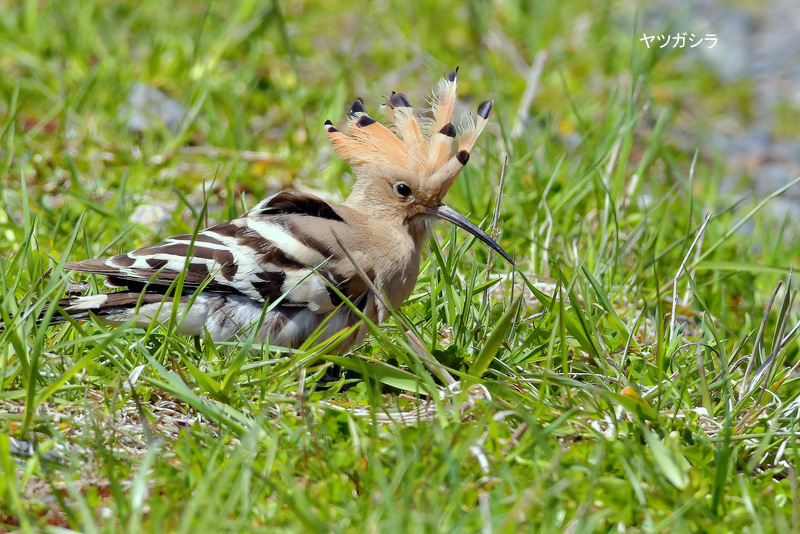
[415,146]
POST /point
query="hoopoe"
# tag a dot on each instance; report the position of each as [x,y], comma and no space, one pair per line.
[287,251]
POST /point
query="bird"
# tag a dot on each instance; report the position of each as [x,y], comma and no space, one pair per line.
[284,267]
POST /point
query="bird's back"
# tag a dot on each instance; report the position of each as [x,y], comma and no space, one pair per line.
[281,256]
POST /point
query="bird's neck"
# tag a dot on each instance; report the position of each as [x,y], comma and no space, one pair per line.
[360,196]
[393,239]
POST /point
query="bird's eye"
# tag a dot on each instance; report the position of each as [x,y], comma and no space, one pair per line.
[402,189]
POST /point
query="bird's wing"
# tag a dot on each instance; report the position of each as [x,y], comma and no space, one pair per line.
[268,252]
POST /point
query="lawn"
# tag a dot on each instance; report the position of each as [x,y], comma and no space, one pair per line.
[636,371]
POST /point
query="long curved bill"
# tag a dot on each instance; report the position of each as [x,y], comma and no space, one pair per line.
[447,213]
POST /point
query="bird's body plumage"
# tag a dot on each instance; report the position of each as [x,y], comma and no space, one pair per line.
[276,267]
[282,250]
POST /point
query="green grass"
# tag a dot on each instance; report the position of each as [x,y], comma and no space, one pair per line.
[611,406]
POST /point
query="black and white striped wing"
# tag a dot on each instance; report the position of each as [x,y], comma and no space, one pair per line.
[261,255]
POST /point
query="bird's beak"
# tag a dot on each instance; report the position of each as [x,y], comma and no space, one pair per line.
[449,214]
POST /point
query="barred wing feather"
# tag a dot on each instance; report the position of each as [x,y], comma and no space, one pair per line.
[255,259]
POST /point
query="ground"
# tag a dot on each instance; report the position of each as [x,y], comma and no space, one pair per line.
[635,372]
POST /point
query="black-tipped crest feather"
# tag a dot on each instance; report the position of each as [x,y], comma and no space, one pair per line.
[399,100]
[485,108]
[357,107]
[448,129]
[364,121]
[420,147]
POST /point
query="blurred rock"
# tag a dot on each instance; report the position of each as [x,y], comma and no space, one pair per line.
[26,449]
[149,108]
[152,215]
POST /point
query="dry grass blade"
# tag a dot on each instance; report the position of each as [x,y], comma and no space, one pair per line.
[746,386]
[420,409]
[682,271]
[532,84]
[496,216]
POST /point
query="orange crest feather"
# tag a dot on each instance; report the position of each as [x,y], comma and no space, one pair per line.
[417,146]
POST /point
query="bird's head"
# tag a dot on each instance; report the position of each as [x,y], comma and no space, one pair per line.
[407,172]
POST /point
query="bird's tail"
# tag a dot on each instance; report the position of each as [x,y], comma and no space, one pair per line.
[112,308]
